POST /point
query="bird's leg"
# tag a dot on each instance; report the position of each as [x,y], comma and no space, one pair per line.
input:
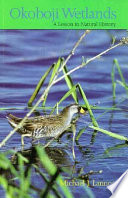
[73,140]
[22,140]
[33,140]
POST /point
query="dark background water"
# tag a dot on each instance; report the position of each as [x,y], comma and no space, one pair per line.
[24,57]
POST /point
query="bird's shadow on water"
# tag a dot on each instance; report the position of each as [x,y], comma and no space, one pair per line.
[57,155]
[60,157]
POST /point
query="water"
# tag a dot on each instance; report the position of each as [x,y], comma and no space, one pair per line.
[24,57]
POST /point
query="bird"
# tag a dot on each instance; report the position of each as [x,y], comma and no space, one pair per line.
[46,125]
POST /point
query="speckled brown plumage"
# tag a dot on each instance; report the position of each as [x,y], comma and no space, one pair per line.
[45,126]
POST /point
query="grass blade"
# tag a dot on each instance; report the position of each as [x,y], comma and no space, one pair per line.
[79,134]
[87,106]
[39,85]
[68,93]
[54,72]
[89,191]
[113,82]
[111,134]
[55,69]
[123,83]
[70,84]
[51,169]
[119,71]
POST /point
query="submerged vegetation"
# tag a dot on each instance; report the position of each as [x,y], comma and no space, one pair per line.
[18,180]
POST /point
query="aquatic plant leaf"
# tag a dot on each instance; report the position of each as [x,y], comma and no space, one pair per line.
[113,38]
[3,182]
[54,72]
[80,133]
[39,85]
[5,163]
[113,81]
[111,134]
[123,83]
[68,93]
[119,71]
[87,105]
[88,191]
[51,169]
[55,69]
[70,84]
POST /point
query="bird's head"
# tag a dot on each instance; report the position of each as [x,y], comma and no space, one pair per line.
[73,109]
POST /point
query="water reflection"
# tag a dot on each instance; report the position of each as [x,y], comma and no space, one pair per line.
[58,155]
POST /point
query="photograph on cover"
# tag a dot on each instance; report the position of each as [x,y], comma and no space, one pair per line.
[63,112]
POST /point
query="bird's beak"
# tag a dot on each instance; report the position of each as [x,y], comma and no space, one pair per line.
[83,110]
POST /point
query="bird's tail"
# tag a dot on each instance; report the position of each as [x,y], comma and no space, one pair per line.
[13,120]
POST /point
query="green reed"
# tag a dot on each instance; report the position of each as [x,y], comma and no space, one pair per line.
[21,185]
[111,134]
[115,81]
[70,84]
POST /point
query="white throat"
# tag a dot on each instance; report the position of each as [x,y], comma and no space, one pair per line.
[69,117]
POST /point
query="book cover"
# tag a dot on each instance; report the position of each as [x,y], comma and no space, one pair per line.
[64,96]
